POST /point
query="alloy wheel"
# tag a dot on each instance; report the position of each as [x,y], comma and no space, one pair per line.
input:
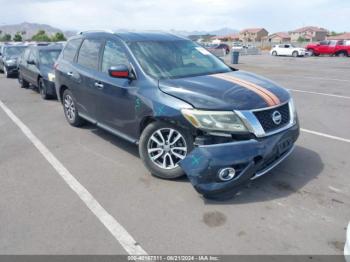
[166,148]
[69,107]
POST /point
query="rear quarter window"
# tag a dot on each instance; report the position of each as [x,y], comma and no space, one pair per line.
[70,50]
[89,53]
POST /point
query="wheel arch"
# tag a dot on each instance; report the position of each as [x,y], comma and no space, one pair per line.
[61,91]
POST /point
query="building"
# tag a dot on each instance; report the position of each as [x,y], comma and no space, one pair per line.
[253,34]
[277,38]
[309,33]
[345,36]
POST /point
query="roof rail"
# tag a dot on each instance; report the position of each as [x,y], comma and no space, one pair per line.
[96,31]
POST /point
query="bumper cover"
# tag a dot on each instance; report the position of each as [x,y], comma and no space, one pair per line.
[251,159]
[11,70]
[50,87]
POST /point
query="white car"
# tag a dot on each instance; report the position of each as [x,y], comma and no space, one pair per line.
[347,245]
[287,50]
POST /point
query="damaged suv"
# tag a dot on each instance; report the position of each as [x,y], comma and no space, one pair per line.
[188,112]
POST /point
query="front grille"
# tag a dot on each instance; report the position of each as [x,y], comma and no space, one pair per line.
[265,118]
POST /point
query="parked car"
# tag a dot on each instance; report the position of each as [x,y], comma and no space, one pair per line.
[214,47]
[347,245]
[188,112]
[287,50]
[36,68]
[8,59]
[330,47]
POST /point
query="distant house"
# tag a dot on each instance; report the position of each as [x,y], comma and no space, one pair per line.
[309,33]
[345,36]
[278,38]
[253,34]
[225,38]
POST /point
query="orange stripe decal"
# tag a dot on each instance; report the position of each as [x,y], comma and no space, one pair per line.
[270,98]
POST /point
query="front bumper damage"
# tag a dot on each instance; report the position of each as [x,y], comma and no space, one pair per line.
[250,158]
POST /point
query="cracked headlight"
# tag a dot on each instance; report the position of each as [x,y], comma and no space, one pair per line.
[225,121]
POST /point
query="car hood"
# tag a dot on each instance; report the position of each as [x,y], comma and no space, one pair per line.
[236,90]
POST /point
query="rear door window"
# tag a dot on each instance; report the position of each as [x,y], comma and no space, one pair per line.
[89,53]
[71,49]
[113,55]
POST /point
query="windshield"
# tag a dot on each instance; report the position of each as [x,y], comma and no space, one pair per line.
[176,59]
[14,51]
[48,57]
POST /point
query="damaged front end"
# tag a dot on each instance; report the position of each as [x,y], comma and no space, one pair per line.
[214,169]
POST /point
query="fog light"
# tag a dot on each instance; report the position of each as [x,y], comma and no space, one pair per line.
[226,174]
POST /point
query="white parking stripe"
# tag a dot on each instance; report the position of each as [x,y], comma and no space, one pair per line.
[322,94]
[116,229]
[325,135]
[326,79]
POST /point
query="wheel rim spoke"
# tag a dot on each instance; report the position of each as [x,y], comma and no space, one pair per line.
[176,139]
[157,156]
[151,150]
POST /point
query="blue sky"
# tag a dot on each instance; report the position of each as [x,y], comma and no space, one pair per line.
[274,15]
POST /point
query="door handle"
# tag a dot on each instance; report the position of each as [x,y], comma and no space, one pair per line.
[70,73]
[99,85]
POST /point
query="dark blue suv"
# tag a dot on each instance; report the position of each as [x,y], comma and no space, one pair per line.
[188,112]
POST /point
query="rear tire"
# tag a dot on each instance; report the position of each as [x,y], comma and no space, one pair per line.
[162,146]
[342,54]
[274,53]
[70,109]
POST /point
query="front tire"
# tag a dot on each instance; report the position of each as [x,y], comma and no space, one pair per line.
[6,73]
[295,54]
[23,83]
[162,146]
[42,89]
[274,53]
[70,109]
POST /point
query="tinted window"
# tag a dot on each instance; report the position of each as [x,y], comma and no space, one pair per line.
[14,51]
[88,54]
[71,49]
[26,54]
[48,57]
[113,55]
[324,43]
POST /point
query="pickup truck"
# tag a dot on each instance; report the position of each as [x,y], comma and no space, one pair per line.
[330,47]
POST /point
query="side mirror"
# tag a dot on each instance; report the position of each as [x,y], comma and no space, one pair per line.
[120,71]
[30,62]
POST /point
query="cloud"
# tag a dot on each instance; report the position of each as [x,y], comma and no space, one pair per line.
[179,14]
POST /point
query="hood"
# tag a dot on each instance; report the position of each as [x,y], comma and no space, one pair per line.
[236,90]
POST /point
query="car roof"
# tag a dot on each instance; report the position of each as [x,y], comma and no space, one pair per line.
[137,36]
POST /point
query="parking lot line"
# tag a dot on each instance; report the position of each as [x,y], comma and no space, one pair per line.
[322,94]
[325,135]
[326,79]
[116,229]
